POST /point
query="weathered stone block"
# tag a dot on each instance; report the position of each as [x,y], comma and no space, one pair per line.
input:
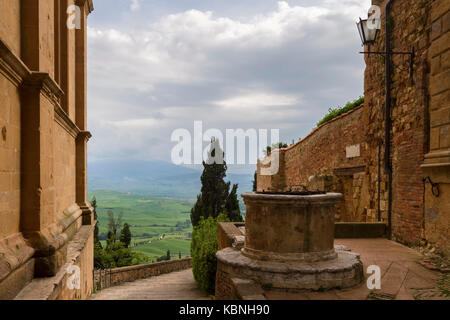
[434,138]
[441,100]
[445,61]
[444,137]
[439,8]
[440,117]
[446,22]
[440,82]
[436,65]
[436,29]
[440,45]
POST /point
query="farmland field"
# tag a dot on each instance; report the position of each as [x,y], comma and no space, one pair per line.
[156,224]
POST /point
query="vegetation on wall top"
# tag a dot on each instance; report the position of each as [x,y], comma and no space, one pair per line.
[335,112]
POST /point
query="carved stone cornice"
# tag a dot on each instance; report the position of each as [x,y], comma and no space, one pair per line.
[65,122]
[84,135]
[89,5]
[437,159]
[12,66]
[45,83]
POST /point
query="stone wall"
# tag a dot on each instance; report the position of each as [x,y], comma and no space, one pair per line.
[419,143]
[9,158]
[64,164]
[437,161]
[331,158]
[10,24]
[228,287]
[43,208]
[408,114]
[114,277]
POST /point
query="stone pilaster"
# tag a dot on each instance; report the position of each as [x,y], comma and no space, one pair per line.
[39,95]
[81,177]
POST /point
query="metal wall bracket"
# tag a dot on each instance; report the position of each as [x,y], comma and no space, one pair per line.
[411,54]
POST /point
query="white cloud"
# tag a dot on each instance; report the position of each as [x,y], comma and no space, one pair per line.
[281,69]
[258,100]
[137,123]
[135,5]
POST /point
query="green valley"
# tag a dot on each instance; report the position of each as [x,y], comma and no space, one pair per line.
[157,224]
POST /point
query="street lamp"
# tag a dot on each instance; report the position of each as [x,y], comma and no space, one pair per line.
[368,31]
[368,35]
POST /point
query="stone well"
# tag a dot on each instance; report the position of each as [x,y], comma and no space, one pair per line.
[289,244]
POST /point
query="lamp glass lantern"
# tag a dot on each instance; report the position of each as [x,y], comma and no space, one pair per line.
[368,35]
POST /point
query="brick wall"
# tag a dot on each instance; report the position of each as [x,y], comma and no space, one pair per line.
[420,139]
[419,143]
[409,132]
[113,277]
[320,162]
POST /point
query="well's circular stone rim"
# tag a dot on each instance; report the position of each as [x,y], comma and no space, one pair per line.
[287,257]
[297,200]
[343,272]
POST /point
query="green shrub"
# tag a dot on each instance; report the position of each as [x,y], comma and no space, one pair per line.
[116,255]
[335,112]
[278,145]
[203,251]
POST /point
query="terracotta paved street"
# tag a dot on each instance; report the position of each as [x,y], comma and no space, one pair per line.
[402,278]
[172,286]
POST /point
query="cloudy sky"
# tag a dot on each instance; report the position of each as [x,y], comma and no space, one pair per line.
[158,65]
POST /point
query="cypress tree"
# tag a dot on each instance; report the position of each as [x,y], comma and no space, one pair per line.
[232,205]
[96,240]
[215,196]
[125,235]
[255,181]
[110,239]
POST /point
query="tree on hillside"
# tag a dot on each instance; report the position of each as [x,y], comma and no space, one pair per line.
[99,255]
[114,225]
[168,255]
[215,196]
[232,205]
[125,235]
[96,239]
[110,239]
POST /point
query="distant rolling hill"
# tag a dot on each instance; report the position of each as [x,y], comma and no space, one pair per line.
[153,178]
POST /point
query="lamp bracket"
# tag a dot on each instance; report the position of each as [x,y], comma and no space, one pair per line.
[391,53]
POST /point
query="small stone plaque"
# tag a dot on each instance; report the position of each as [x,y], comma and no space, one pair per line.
[353,151]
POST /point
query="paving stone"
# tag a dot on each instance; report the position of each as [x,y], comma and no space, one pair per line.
[172,286]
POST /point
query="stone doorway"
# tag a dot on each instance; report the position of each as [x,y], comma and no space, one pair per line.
[353,184]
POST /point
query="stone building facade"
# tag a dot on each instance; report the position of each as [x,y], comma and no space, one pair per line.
[46,223]
[347,154]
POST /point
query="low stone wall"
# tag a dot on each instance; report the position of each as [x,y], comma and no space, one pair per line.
[226,232]
[113,277]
